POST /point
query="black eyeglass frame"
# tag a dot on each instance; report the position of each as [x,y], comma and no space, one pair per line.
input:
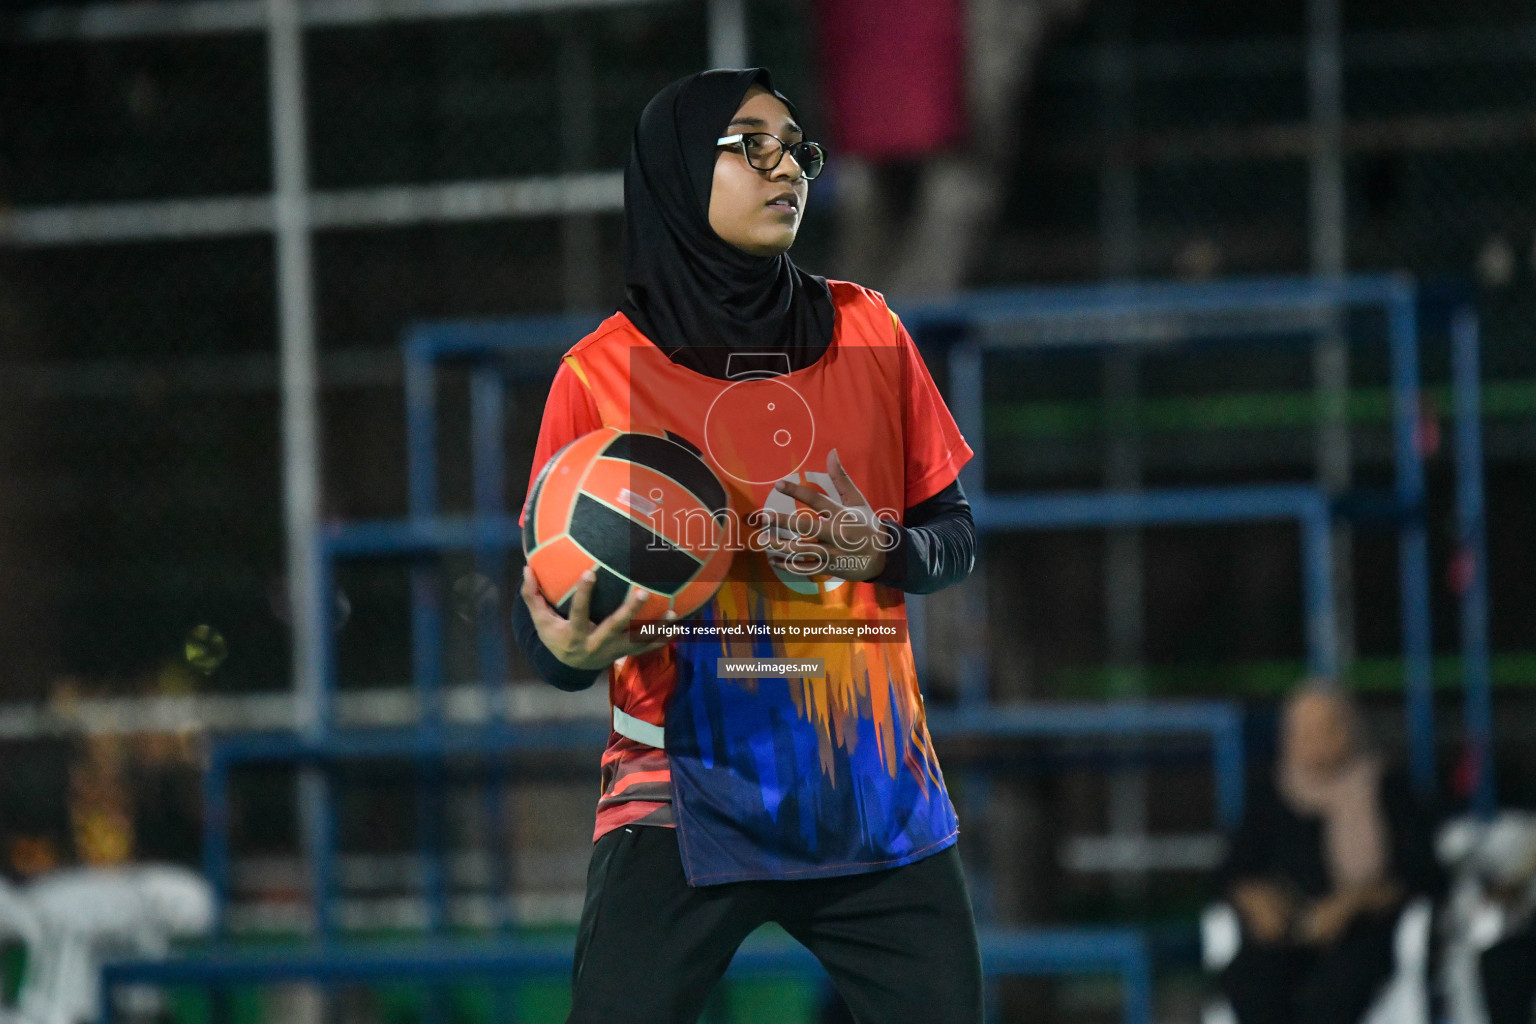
[793,149]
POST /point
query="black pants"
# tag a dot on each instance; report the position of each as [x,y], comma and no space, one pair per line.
[1508,971]
[899,944]
[1286,984]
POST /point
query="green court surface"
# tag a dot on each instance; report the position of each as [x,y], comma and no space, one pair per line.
[532,1002]
[544,1000]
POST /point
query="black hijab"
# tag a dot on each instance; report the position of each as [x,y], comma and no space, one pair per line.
[693,294]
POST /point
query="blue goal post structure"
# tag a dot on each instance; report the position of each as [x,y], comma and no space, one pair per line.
[983,323]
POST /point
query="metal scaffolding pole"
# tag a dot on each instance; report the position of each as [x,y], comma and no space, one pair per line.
[1124,556]
[580,234]
[220,17]
[1330,352]
[727,33]
[296,346]
[309,611]
[578,193]
[1472,542]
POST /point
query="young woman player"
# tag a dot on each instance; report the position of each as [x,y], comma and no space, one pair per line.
[729,802]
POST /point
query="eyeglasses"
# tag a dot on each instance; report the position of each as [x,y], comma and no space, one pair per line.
[764,152]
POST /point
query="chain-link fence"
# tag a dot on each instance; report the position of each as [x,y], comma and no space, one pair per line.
[140,476]
[1162,144]
[141,545]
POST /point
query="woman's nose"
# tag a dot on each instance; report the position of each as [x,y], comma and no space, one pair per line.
[783,169]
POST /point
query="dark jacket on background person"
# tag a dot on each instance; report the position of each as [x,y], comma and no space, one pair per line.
[1276,843]
[1291,982]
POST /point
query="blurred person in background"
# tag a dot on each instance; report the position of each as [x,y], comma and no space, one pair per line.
[1507,969]
[34,814]
[100,799]
[1330,851]
[72,805]
[1489,959]
[82,820]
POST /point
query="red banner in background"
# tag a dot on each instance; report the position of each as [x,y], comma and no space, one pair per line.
[893,71]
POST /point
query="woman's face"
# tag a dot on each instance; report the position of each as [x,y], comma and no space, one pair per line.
[758,211]
[1317,734]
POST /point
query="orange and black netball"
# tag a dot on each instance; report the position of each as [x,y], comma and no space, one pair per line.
[640,510]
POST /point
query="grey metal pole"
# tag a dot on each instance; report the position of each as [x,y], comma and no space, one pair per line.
[579,231]
[295,293]
[1119,233]
[1325,90]
[1330,353]
[1124,557]
[727,33]
[309,612]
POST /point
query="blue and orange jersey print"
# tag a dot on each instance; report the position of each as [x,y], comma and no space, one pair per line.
[769,777]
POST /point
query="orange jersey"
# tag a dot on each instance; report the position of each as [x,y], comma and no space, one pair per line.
[774,777]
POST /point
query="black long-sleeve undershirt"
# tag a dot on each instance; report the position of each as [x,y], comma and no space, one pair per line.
[935,547]
[936,544]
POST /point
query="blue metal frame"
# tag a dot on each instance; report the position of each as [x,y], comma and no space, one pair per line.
[427,747]
[1471,537]
[491,743]
[1119,314]
[1179,311]
[1011,953]
[1308,506]
[498,352]
[1222,721]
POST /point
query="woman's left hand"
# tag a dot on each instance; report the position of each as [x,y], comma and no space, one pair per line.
[844,538]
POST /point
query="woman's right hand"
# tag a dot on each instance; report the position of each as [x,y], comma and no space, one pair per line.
[1324,921]
[1264,908]
[576,641]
